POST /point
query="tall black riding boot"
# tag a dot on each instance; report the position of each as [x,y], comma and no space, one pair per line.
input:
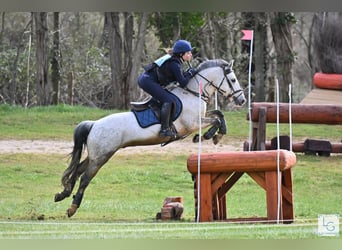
[165,121]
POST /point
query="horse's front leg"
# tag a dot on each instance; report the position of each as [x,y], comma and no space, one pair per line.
[216,120]
[222,130]
[219,115]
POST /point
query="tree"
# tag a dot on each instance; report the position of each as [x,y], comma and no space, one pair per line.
[327,42]
[281,27]
[115,55]
[125,52]
[2,28]
[12,56]
[43,84]
[105,63]
[258,22]
[137,52]
[55,71]
[171,26]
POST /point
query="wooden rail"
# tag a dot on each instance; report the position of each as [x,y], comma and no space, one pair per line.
[265,112]
[298,147]
[301,113]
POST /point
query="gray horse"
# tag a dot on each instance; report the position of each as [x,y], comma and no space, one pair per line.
[107,135]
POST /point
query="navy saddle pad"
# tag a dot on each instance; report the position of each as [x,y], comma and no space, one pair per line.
[148,117]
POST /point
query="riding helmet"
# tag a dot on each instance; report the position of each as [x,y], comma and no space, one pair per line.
[181,46]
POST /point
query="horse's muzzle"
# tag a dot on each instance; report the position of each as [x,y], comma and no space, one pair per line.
[239,100]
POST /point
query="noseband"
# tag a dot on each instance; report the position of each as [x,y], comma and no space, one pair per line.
[234,92]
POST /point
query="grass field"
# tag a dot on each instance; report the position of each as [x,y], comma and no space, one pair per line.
[123,199]
[152,230]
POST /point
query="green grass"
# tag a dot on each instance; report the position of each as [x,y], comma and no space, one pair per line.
[96,230]
[52,122]
[123,199]
[131,191]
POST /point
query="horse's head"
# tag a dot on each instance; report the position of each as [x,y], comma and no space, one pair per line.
[236,91]
[219,75]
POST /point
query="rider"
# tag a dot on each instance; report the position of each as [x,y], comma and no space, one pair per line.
[160,73]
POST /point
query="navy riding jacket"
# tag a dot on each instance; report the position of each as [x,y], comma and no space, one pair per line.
[170,71]
[154,78]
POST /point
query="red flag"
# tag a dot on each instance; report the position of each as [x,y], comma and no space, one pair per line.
[247,35]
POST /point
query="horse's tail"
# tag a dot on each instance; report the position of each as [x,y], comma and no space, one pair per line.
[81,133]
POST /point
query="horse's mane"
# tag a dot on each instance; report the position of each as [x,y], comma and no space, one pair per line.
[211,63]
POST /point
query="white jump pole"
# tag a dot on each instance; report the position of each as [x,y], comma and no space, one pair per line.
[278,154]
[290,114]
[199,151]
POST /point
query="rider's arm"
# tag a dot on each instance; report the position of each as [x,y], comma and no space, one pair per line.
[181,77]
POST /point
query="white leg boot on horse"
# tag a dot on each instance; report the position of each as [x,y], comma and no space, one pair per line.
[165,118]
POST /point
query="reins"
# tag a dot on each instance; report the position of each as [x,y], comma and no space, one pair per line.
[205,96]
[197,94]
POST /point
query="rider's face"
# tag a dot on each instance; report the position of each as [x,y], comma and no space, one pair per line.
[187,56]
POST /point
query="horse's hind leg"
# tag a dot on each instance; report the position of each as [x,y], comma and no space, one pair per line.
[86,177]
[71,184]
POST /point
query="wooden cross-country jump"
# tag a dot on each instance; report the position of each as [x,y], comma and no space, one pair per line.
[220,171]
[266,112]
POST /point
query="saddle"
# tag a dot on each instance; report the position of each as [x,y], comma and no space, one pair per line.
[147,112]
[148,103]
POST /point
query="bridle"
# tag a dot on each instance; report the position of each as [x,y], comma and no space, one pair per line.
[205,95]
[235,93]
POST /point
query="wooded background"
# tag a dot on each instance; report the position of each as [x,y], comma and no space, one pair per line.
[94,59]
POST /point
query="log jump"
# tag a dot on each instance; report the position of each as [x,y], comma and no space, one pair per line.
[220,171]
[328,81]
[298,147]
[265,112]
[301,113]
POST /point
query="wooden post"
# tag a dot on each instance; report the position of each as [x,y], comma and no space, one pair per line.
[272,195]
[206,198]
[261,134]
[287,199]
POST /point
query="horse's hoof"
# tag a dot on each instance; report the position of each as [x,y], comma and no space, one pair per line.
[72,210]
[195,139]
[217,138]
[59,197]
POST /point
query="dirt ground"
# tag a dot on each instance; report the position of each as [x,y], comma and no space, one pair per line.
[65,147]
